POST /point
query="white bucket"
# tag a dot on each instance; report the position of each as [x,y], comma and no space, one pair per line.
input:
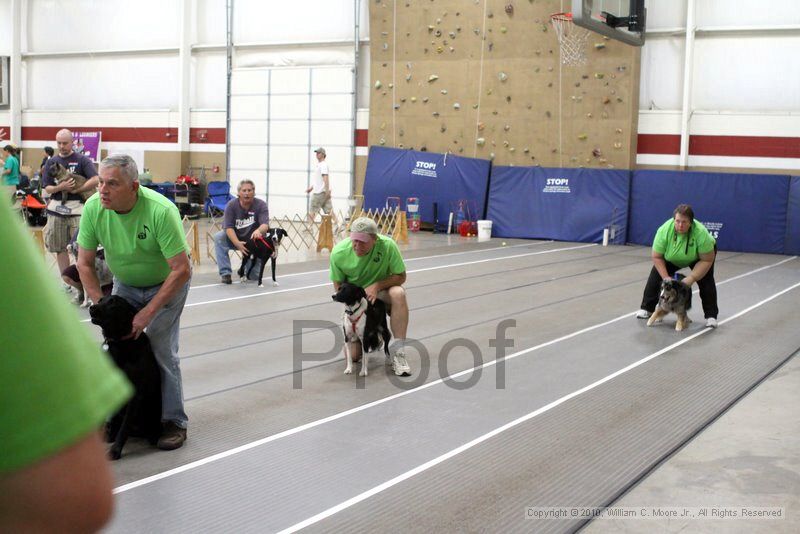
[484,230]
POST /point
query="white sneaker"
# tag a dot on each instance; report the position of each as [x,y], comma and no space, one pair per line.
[643,314]
[400,364]
[711,322]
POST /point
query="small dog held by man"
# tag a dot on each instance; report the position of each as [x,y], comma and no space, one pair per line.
[362,322]
[60,174]
[675,297]
[262,248]
[141,416]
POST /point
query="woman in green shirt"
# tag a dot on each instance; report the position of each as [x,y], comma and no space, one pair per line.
[11,167]
[683,242]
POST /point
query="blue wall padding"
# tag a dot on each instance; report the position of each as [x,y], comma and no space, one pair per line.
[561,204]
[792,242]
[431,177]
[745,212]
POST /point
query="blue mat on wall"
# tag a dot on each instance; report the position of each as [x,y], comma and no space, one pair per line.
[561,204]
[431,177]
[745,212]
[792,242]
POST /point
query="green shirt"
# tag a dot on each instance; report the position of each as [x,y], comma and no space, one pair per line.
[11,164]
[138,243]
[382,261]
[56,385]
[683,250]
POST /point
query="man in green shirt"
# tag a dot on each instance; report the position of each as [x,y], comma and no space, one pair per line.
[146,250]
[373,261]
[56,389]
[683,242]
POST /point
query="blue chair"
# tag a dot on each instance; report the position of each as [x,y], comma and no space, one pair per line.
[165,188]
[219,194]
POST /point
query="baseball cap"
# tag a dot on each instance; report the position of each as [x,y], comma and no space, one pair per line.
[321,151]
[363,229]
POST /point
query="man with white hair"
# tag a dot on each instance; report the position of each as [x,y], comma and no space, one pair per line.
[146,251]
[373,261]
[63,215]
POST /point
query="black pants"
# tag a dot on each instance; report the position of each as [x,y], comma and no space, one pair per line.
[707,286]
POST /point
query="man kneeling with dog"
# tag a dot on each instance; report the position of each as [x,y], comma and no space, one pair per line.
[246,217]
[373,261]
[146,252]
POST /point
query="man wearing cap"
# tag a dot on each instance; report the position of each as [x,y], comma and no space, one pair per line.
[373,261]
[320,189]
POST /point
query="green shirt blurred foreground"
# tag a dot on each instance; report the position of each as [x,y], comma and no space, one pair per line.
[56,385]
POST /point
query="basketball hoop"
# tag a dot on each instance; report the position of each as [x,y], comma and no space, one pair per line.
[571,39]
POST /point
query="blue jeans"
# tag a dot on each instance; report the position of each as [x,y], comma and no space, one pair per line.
[222,244]
[163,333]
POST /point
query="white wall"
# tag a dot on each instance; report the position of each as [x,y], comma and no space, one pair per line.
[745,76]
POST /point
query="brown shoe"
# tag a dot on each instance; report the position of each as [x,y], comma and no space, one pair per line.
[172,437]
[226,279]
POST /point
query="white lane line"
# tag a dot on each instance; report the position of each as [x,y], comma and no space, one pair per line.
[312,286]
[458,450]
[334,417]
[406,260]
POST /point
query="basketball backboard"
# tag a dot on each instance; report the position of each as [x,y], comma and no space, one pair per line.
[623,20]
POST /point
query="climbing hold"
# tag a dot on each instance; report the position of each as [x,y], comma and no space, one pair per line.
[503,29]
[403,99]
[481,126]
[618,130]
[432,78]
[599,46]
[508,99]
[401,132]
[456,106]
[408,77]
[391,86]
[596,153]
[435,113]
[589,115]
[489,91]
[506,127]
[443,128]
[502,76]
[599,75]
[413,99]
[582,136]
[425,100]
[383,126]
[526,150]
[548,114]
[438,33]
[378,84]
[505,144]
[509,9]
[618,145]
[382,141]
[480,141]
[443,91]
[606,100]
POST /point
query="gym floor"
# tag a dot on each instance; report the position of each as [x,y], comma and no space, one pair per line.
[586,403]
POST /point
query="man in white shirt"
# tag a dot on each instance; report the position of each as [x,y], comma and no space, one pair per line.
[320,189]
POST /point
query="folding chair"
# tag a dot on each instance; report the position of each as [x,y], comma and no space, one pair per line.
[219,194]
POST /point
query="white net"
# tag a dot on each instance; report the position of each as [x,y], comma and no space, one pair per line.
[571,39]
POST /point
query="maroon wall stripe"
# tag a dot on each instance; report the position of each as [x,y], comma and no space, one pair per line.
[128,134]
[658,144]
[361,137]
[699,145]
[721,145]
[748,146]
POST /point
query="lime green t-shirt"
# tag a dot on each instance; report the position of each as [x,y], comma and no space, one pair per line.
[56,385]
[137,243]
[382,261]
[683,250]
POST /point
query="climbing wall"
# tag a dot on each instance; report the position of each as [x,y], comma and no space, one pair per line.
[483,78]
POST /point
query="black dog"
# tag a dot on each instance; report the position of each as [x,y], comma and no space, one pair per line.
[362,321]
[263,248]
[141,417]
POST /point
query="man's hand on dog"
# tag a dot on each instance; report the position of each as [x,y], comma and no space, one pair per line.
[240,246]
[66,184]
[139,323]
[372,292]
